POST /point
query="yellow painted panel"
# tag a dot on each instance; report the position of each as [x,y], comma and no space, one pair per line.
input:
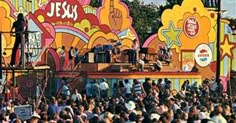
[76,41]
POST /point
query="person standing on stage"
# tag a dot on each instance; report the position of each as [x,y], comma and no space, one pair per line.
[76,57]
[71,55]
[134,52]
[157,65]
[19,25]
[62,58]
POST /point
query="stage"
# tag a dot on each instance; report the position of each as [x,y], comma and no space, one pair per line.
[115,72]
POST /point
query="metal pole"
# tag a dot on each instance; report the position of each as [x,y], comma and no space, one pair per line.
[1,56]
[22,51]
[218,42]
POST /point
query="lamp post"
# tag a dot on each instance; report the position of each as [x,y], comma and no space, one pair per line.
[1,56]
[218,42]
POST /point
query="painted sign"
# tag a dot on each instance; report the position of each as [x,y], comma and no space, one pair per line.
[191,27]
[24,112]
[187,61]
[203,55]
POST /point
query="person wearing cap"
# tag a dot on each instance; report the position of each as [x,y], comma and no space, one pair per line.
[34,118]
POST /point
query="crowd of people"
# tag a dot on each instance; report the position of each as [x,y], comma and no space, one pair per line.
[130,102]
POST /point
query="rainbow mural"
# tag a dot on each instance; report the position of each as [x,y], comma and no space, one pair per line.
[68,23]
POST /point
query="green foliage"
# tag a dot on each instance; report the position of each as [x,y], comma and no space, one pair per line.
[146,18]
[232,23]
[95,3]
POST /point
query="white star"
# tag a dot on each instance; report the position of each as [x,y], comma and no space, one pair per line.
[21,10]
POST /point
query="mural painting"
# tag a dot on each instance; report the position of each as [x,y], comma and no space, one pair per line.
[191,27]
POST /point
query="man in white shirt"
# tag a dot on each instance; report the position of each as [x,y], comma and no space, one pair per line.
[76,96]
[104,88]
[140,65]
[218,118]
[128,88]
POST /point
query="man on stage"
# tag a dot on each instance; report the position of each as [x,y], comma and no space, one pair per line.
[19,25]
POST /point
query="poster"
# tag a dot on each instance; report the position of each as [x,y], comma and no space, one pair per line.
[187,60]
[24,112]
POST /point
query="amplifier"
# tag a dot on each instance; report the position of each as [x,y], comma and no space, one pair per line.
[107,47]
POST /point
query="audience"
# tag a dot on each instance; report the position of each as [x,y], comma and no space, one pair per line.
[132,102]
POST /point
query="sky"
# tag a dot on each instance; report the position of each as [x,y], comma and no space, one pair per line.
[228,5]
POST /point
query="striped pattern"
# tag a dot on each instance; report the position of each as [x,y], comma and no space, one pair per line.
[27,6]
[226,62]
[89,9]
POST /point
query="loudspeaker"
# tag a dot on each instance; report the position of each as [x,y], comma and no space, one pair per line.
[90,57]
[194,69]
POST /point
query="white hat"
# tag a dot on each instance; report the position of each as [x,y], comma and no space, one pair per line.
[130,105]
[204,115]
[155,116]
[35,115]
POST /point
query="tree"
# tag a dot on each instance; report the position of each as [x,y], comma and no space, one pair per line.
[95,3]
[146,18]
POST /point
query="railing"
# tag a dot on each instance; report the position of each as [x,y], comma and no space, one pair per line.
[23,41]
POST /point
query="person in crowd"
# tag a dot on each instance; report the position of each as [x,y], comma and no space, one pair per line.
[122,88]
[94,89]
[104,88]
[65,92]
[218,118]
[147,85]
[76,96]
[138,89]
[34,118]
[115,90]
[19,27]
[128,88]
[185,86]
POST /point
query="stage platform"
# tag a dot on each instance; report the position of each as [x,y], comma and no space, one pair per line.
[28,67]
[121,67]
